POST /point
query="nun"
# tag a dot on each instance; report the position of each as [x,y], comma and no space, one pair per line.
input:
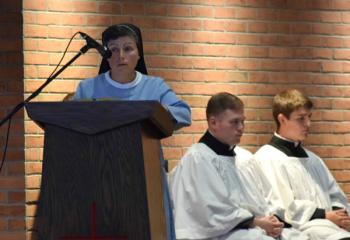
[123,76]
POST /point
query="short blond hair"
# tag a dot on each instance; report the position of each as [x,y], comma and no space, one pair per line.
[287,101]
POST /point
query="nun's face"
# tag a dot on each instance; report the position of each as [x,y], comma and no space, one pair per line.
[124,54]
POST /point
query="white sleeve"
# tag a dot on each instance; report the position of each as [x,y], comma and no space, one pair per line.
[336,194]
[259,188]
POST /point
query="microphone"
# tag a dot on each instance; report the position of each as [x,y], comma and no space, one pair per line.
[91,43]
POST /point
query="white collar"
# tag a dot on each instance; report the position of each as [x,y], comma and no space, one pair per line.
[131,84]
[279,136]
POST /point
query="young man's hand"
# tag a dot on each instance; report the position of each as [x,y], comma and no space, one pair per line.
[339,217]
[272,226]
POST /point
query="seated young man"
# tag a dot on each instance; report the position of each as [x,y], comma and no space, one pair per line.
[301,182]
[210,198]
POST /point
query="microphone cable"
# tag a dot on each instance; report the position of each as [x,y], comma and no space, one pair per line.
[19,106]
[6,143]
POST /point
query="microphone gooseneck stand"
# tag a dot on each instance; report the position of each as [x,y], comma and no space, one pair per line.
[83,50]
[9,116]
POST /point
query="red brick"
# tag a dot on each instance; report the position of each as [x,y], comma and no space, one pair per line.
[280,53]
[64,6]
[332,42]
[32,196]
[246,13]
[59,32]
[196,101]
[172,153]
[156,9]
[332,67]
[34,141]
[11,182]
[279,28]
[342,176]
[248,65]
[342,54]
[168,75]
[340,5]
[33,181]
[333,17]
[181,36]
[262,102]
[31,210]
[33,154]
[11,210]
[16,224]
[267,14]
[3,198]
[30,44]
[35,31]
[170,49]
[246,39]
[196,127]
[85,6]
[235,26]
[110,7]
[341,30]
[345,17]
[214,25]
[179,11]
[337,164]
[178,140]
[301,28]
[15,168]
[204,63]
[3,224]
[17,235]
[98,20]
[207,37]
[36,58]
[133,8]
[55,86]
[35,5]
[288,15]
[16,197]
[33,167]
[202,11]
[258,27]
[342,79]
[323,53]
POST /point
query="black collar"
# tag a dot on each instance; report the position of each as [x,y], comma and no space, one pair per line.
[288,147]
[217,146]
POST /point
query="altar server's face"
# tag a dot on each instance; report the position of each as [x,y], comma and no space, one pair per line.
[124,54]
[228,126]
[296,127]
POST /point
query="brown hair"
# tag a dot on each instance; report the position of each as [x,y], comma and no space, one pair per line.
[221,102]
[287,101]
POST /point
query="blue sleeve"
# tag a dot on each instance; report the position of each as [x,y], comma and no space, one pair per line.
[78,93]
[179,110]
[84,90]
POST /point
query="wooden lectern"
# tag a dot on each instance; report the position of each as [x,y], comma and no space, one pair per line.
[101,175]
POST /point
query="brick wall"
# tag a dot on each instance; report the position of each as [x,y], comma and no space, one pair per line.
[12,184]
[247,47]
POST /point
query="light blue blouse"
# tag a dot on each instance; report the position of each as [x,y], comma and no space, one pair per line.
[143,87]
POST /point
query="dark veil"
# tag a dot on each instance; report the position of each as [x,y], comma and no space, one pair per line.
[133,30]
